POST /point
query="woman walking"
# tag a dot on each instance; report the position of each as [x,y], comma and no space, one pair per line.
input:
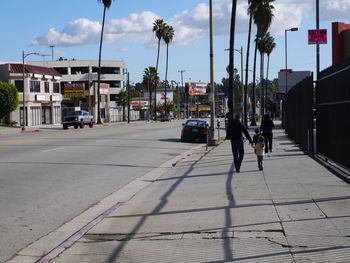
[266,130]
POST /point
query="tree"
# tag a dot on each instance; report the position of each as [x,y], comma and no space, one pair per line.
[237,86]
[158,28]
[106,5]
[270,46]
[262,47]
[123,101]
[168,35]
[252,5]
[262,18]
[8,99]
[150,82]
[231,96]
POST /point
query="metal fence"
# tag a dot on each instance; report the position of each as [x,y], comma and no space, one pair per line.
[299,114]
[333,113]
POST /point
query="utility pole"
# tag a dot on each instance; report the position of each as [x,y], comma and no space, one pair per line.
[211,55]
[128,97]
[52,52]
[182,87]
[317,44]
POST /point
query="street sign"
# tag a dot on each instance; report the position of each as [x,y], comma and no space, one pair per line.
[317,36]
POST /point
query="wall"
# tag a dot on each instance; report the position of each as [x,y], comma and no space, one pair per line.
[339,42]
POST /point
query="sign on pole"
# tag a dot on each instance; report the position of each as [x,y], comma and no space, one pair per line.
[317,36]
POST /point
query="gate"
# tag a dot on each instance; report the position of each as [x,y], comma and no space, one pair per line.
[299,114]
[333,113]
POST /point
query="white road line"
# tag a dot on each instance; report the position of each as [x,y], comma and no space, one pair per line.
[54,149]
[99,141]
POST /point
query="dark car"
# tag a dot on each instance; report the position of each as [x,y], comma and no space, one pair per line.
[195,130]
[165,118]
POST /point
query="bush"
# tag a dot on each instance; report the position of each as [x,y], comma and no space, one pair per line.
[8,99]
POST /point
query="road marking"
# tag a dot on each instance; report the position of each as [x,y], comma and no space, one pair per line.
[12,143]
[99,141]
[54,149]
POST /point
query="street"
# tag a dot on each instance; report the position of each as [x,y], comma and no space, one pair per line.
[47,178]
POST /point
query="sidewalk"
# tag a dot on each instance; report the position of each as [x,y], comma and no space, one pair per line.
[201,211]
[4,130]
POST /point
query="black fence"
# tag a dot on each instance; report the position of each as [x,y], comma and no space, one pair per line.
[299,114]
[333,113]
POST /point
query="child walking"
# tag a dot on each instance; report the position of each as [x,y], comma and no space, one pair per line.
[259,151]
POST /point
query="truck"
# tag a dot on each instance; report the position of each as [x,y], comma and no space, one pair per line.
[78,118]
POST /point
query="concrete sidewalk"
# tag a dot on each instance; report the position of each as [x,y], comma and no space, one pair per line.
[294,210]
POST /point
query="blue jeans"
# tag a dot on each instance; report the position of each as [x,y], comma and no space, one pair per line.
[238,152]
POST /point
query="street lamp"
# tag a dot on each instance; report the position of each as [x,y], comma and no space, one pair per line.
[286,58]
[23,93]
[285,49]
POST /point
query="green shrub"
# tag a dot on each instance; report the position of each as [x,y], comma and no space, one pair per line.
[8,99]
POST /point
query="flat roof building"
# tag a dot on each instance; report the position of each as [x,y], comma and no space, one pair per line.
[42,93]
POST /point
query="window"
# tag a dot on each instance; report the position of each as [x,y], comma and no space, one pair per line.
[34,86]
[19,85]
[56,88]
[63,71]
[47,87]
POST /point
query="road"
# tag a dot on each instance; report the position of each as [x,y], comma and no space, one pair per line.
[48,178]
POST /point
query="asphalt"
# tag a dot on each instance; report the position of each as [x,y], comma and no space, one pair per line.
[195,208]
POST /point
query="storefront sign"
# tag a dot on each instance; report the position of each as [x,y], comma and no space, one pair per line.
[55,98]
[40,97]
[74,90]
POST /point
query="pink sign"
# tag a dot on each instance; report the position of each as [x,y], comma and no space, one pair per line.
[317,36]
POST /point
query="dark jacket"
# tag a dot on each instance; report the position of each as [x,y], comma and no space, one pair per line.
[235,131]
[266,126]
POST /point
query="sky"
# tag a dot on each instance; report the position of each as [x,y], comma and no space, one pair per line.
[73,27]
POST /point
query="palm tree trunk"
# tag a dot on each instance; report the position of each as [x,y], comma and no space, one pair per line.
[246,72]
[155,88]
[262,99]
[253,123]
[99,121]
[267,80]
[166,76]
[232,44]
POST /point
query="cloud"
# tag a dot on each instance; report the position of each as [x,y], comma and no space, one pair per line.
[189,25]
[78,32]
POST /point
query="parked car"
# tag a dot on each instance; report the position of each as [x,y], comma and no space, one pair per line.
[195,130]
[221,115]
[165,118]
[78,119]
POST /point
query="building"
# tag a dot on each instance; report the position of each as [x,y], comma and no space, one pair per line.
[293,78]
[42,93]
[340,41]
[84,72]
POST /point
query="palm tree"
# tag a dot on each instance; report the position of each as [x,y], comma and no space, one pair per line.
[252,5]
[231,96]
[262,47]
[253,122]
[270,46]
[106,4]
[149,82]
[262,15]
[158,28]
[168,35]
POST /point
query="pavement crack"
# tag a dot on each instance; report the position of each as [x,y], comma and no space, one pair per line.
[283,244]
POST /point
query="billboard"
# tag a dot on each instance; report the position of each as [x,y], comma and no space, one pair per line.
[317,36]
[197,88]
